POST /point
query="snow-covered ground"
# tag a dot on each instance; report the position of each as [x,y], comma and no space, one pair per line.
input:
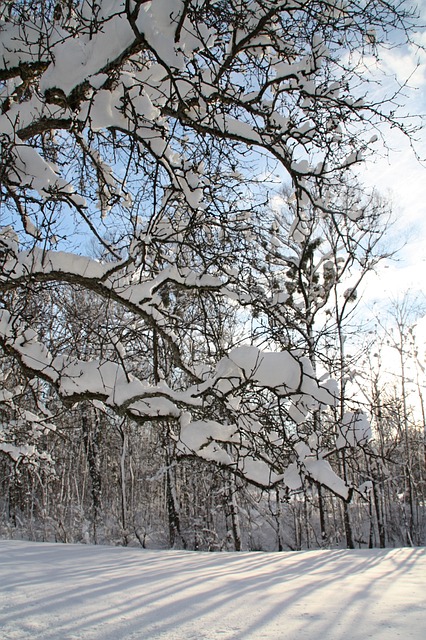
[77,592]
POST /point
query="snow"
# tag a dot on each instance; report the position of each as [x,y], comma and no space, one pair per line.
[292,477]
[76,592]
[76,59]
[355,429]
[23,451]
[194,435]
[282,371]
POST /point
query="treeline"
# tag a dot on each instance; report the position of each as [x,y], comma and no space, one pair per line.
[109,481]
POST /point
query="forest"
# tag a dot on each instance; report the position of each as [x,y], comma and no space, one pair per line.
[186,360]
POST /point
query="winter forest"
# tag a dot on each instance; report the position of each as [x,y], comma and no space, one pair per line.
[186,360]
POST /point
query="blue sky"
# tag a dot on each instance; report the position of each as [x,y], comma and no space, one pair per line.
[401,177]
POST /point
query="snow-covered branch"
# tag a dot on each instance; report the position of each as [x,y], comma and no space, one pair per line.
[145,133]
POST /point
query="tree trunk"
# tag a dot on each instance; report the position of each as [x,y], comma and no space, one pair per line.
[235,517]
[174,525]
[91,433]
[321,514]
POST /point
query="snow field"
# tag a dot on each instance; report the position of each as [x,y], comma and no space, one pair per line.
[77,592]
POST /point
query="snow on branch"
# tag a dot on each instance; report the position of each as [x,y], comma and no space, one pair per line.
[75,379]
[257,84]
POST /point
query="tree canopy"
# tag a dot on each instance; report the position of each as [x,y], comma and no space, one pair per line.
[138,140]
